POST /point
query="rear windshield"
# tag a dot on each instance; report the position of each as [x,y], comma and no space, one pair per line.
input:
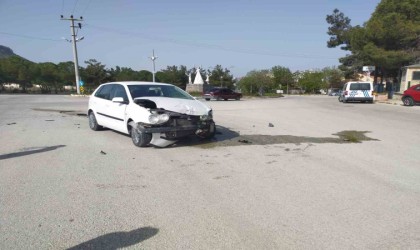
[158,90]
[360,86]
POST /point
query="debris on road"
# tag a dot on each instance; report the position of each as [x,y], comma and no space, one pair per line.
[102,152]
[13,123]
[270,125]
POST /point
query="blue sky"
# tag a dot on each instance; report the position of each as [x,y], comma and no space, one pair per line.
[242,35]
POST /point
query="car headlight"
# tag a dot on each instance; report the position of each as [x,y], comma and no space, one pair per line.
[158,118]
[209,116]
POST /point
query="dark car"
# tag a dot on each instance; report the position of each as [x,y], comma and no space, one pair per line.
[411,96]
[221,93]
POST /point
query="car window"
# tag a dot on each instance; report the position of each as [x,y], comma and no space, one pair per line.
[169,91]
[119,91]
[417,88]
[105,92]
[360,86]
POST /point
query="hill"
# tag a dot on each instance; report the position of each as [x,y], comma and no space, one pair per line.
[6,52]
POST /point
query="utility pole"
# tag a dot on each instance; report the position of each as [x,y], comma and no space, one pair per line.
[74,40]
[153,58]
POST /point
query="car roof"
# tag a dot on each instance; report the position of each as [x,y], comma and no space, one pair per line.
[126,83]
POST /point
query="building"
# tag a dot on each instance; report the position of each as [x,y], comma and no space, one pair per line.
[410,76]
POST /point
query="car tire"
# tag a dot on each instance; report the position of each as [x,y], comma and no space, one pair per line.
[237,98]
[139,138]
[408,101]
[339,99]
[207,99]
[212,131]
[93,123]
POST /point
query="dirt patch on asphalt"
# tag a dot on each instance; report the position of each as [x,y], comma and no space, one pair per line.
[343,137]
[67,112]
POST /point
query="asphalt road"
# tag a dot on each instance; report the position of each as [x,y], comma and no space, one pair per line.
[294,184]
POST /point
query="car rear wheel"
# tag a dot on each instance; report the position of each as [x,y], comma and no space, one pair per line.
[408,101]
[139,138]
[93,124]
[207,99]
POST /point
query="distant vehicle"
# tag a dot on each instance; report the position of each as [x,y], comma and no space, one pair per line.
[221,93]
[411,96]
[156,114]
[357,91]
[334,92]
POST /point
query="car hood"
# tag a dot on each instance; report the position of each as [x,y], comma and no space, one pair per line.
[183,106]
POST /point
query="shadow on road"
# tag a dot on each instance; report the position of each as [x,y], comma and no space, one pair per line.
[118,240]
[30,151]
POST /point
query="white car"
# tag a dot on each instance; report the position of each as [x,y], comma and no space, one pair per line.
[155,114]
[357,91]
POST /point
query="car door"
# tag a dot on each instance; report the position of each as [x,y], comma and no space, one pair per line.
[416,94]
[230,94]
[101,102]
[115,111]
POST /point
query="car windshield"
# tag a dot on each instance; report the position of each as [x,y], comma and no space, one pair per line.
[159,91]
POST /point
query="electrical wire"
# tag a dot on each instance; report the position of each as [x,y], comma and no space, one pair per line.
[204,45]
[87,6]
[31,37]
[74,8]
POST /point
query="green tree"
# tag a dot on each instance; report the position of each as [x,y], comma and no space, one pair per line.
[312,81]
[283,78]
[48,77]
[220,76]
[256,82]
[65,72]
[333,77]
[174,75]
[145,75]
[388,40]
[94,74]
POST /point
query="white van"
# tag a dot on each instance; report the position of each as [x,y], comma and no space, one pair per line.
[357,91]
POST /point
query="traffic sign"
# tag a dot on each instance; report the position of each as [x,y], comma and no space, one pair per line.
[81,83]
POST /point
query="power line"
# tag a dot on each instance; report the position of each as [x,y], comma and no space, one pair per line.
[207,46]
[31,37]
[74,8]
[87,6]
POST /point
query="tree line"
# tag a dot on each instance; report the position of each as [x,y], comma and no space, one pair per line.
[51,77]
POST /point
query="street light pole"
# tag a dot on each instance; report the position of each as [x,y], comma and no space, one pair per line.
[74,40]
[153,58]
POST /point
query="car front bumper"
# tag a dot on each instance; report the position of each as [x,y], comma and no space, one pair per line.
[175,130]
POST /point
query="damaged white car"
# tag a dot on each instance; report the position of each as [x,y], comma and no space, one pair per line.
[155,114]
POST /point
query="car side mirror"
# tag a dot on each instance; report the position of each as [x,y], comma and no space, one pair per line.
[118,100]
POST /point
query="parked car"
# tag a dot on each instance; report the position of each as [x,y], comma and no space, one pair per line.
[411,96]
[357,91]
[221,93]
[156,114]
[334,92]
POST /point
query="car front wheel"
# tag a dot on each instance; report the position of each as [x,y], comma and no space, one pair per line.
[408,101]
[139,138]
[93,124]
